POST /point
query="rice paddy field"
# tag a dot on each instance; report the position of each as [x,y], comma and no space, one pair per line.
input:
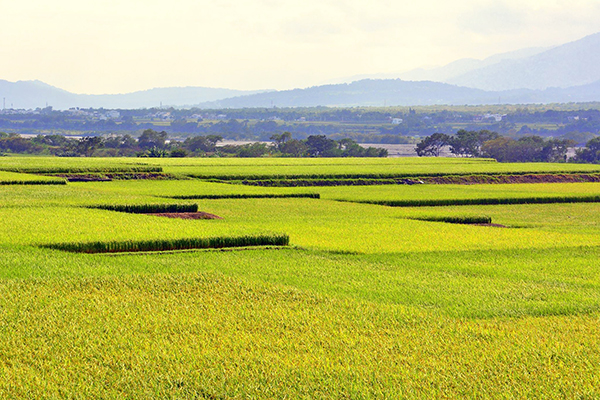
[193,288]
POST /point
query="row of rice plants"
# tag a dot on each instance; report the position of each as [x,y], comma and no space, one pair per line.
[248,196]
[327,182]
[481,201]
[76,169]
[345,176]
[148,208]
[441,179]
[172,244]
[108,176]
[457,219]
[35,182]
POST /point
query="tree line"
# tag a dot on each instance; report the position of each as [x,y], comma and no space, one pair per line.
[362,124]
[485,143]
[153,143]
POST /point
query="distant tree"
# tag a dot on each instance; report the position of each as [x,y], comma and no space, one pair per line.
[432,145]
[468,143]
[51,140]
[590,153]
[253,150]
[16,144]
[281,139]
[151,138]
[178,153]
[120,142]
[154,152]
[294,148]
[555,150]
[526,149]
[498,149]
[321,146]
[87,145]
[206,144]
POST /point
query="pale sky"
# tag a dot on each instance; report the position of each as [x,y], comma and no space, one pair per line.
[109,46]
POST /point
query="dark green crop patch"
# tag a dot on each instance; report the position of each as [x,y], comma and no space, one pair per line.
[171,244]
[148,208]
[483,201]
[35,182]
[469,220]
[248,196]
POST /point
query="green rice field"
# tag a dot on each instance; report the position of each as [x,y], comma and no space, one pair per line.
[300,293]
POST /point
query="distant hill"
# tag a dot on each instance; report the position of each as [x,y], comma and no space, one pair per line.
[34,94]
[464,66]
[572,64]
[449,71]
[368,92]
[396,92]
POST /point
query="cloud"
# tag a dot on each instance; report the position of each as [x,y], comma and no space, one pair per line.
[121,45]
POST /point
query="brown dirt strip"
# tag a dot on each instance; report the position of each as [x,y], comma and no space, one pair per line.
[187,215]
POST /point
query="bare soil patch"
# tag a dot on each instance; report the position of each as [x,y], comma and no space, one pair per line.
[187,215]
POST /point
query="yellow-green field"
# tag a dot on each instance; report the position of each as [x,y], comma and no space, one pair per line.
[367,301]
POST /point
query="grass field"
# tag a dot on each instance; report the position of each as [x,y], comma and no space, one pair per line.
[366,301]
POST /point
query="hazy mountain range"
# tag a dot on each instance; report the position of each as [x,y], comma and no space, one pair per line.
[566,73]
[449,71]
[33,94]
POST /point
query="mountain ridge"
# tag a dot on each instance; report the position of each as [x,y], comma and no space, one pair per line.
[571,64]
[35,94]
